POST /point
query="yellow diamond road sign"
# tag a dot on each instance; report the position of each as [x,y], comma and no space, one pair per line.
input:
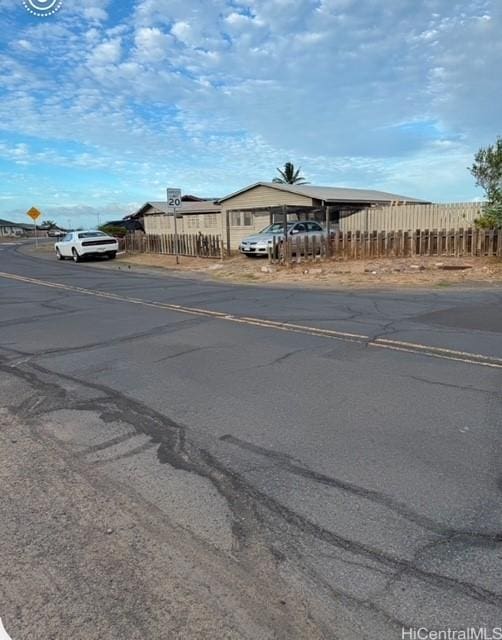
[34,214]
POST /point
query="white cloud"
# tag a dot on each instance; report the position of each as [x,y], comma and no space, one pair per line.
[95,14]
[152,44]
[183,31]
[397,96]
[91,10]
[106,53]
[242,20]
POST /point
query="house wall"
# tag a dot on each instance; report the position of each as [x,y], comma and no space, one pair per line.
[455,215]
[206,223]
[260,197]
[11,232]
[155,224]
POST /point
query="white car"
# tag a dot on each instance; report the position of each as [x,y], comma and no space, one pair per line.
[79,244]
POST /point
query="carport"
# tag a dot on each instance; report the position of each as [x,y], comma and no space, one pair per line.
[252,208]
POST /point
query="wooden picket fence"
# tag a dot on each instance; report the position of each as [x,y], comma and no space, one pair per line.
[389,244]
[196,245]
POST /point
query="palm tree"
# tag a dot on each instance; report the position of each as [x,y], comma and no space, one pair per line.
[289,175]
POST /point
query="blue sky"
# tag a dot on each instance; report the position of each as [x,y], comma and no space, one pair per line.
[105,103]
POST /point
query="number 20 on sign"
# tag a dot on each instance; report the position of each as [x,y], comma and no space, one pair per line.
[174,197]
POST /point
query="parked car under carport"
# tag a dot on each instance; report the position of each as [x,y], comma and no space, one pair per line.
[260,243]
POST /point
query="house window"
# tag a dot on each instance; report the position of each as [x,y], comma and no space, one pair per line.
[192,222]
[241,219]
[210,221]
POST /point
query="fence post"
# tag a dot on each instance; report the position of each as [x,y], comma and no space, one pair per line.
[327,212]
[293,249]
[491,235]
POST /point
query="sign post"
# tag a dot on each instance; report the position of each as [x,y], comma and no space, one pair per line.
[173,202]
[34,214]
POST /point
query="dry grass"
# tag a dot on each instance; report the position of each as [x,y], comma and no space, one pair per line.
[382,272]
[349,273]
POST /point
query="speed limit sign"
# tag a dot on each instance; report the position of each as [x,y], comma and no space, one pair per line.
[173,198]
[173,203]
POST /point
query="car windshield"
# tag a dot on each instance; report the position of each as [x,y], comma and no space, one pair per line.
[277,227]
[91,234]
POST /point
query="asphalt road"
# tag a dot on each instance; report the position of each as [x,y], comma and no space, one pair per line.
[274,462]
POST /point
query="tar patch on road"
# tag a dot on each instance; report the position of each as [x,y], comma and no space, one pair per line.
[474,318]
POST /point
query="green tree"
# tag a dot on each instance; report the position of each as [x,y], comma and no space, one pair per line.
[113,230]
[289,175]
[487,170]
[49,224]
[491,216]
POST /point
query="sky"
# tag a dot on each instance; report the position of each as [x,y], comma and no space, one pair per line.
[105,103]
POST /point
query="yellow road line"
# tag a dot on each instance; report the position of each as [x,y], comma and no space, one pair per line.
[382,343]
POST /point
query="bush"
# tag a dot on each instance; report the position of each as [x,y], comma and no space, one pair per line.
[112,230]
[491,218]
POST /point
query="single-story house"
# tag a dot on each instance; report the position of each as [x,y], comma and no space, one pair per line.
[252,208]
[14,229]
[45,228]
[194,216]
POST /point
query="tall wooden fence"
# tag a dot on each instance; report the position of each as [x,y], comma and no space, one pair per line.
[196,245]
[453,215]
[390,244]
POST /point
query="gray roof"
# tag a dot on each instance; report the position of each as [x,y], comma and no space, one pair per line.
[204,206]
[331,194]
[19,225]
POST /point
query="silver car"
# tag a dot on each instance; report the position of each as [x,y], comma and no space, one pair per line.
[258,244]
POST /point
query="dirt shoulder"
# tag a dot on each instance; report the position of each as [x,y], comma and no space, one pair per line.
[380,272]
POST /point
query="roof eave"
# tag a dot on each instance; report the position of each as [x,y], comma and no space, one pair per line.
[374,201]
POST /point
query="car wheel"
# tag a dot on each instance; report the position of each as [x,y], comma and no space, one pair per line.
[59,255]
[76,257]
[112,255]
